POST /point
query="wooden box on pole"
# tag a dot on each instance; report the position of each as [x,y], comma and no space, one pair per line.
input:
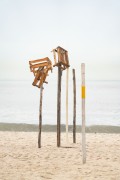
[62,62]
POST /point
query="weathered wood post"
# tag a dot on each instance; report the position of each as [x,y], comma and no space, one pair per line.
[40,117]
[67,77]
[74,107]
[59,107]
[83,113]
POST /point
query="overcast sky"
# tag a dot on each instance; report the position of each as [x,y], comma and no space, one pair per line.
[88,29]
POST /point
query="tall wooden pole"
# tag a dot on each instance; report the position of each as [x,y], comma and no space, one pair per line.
[74,107]
[40,117]
[67,76]
[59,107]
[83,114]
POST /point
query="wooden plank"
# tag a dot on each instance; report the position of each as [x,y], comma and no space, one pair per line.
[61,57]
[44,77]
[83,114]
[74,107]
[40,117]
[38,65]
[64,58]
[37,78]
[67,77]
[61,63]
[59,108]
[54,54]
[39,60]
[41,80]
[58,52]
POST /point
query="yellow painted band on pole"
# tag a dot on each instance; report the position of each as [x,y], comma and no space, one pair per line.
[83,92]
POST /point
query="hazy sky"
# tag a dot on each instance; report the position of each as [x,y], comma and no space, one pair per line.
[88,29]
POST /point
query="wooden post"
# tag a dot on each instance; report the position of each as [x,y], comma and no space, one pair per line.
[40,117]
[59,107]
[67,76]
[83,113]
[74,107]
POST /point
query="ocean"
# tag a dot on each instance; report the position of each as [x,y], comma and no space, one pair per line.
[19,102]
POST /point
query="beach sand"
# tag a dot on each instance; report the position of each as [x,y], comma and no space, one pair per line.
[20,158]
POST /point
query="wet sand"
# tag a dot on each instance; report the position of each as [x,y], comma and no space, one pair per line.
[52,128]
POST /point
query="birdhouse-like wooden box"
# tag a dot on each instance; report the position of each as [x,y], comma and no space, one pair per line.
[61,58]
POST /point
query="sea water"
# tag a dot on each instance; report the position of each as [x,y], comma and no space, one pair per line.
[19,102]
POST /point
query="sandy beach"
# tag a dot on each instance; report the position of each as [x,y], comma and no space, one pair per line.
[20,158]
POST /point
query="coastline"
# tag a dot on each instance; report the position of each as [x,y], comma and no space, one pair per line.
[52,128]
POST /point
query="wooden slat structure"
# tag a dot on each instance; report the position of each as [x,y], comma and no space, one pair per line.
[60,58]
[40,68]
